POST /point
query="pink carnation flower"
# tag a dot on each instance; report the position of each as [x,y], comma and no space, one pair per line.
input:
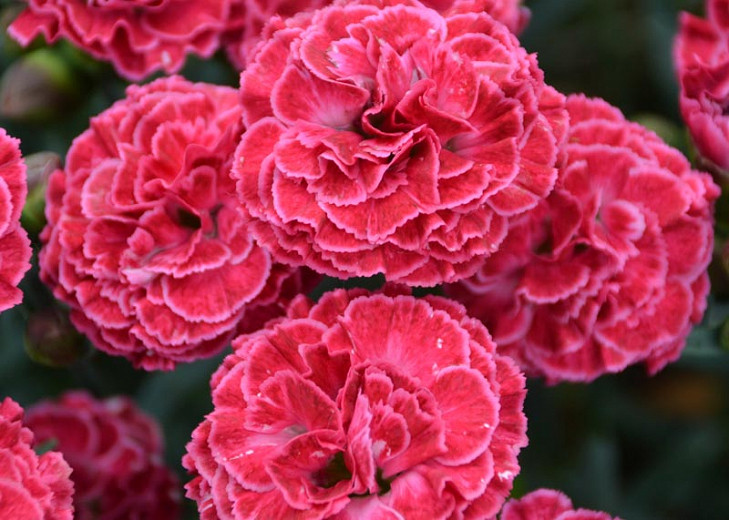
[32,487]
[116,454]
[249,17]
[393,139]
[548,504]
[701,55]
[136,36]
[361,406]
[612,269]
[15,249]
[145,240]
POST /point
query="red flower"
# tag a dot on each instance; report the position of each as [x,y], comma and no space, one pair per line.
[32,487]
[702,61]
[361,406]
[249,17]
[547,504]
[136,36]
[15,249]
[116,454]
[612,269]
[145,241]
[393,139]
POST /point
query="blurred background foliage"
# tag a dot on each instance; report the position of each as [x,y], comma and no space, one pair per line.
[638,447]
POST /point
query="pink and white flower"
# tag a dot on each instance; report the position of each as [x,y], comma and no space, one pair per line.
[701,56]
[389,138]
[137,36]
[145,240]
[115,452]
[361,406]
[548,504]
[611,270]
[32,487]
[15,249]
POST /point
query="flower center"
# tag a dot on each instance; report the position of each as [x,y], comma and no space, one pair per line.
[335,471]
[188,219]
[382,482]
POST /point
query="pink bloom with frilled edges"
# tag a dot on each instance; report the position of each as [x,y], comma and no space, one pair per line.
[248,17]
[701,56]
[361,406]
[548,504]
[393,139]
[145,240]
[115,452]
[137,36]
[15,249]
[611,270]
[32,487]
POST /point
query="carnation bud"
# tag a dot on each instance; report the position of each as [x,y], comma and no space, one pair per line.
[40,166]
[51,340]
[36,87]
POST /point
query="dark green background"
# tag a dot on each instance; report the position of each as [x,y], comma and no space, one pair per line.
[638,447]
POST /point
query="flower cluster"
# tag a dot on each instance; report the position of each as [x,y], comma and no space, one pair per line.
[393,139]
[15,249]
[361,406]
[32,487]
[612,269]
[702,62]
[548,504]
[136,36]
[145,240]
[413,139]
[115,452]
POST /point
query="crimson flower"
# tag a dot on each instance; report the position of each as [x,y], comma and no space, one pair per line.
[393,139]
[360,406]
[701,55]
[32,487]
[611,270]
[136,36]
[115,452]
[145,240]
[548,504]
[15,249]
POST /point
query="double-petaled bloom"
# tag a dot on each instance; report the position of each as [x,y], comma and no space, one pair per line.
[15,249]
[611,269]
[548,504]
[145,240]
[701,56]
[386,137]
[32,486]
[137,36]
[361,406]
[115,452]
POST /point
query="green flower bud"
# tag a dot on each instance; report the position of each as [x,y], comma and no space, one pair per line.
[36,87]
[40,166]
[51,339]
